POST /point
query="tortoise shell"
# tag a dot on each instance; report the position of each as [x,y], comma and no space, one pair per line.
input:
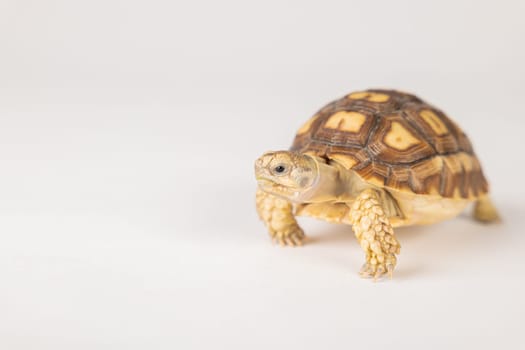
[395,140]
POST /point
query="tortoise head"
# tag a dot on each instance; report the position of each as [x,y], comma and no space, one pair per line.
[286,174]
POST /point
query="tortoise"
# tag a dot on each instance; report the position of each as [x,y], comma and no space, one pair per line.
[376,160]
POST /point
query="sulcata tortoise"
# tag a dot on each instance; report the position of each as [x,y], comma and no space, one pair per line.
[376,160]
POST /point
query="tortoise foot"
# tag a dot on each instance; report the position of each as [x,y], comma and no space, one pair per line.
[378,270]
[292,236]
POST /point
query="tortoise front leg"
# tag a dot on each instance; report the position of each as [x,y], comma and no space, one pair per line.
[277,214]
[375,234]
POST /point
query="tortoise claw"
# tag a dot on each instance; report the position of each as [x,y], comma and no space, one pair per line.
[292,237]
[376,272]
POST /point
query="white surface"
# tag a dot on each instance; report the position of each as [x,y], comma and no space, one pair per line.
[127,139]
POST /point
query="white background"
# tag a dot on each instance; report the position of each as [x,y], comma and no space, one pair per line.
[128,131]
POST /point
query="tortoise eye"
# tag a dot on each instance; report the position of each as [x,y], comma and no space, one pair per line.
[280,169]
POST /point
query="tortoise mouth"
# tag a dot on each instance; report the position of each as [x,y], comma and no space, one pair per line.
[278,190]
[266,183]
[264,180]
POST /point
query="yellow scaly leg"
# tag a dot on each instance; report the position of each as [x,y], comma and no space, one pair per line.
[277,214]
[375,235]
[485,211]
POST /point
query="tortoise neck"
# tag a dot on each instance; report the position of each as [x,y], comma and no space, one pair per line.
[333,184]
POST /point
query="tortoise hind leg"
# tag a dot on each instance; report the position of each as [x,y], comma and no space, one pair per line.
[485,211]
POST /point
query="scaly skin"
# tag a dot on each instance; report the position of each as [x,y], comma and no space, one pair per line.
[375,235]
[277,214]
[485,211]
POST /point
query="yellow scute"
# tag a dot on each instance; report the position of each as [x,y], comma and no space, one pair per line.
[306,126]
[400,138]
[346,161]
[435,123]
[369,96]
[346,121]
